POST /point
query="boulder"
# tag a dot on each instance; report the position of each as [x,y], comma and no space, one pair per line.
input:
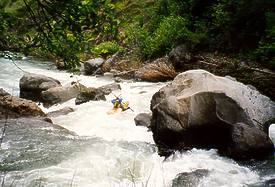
[190,179]
[93,66]
[3,92]
[60,64]
[14,107]
[60,94]
[158,70]
[180,55]
[90,94]
[143,119]
[63,111]
[117,79]
[110,62]
[107,89]
[31,85]
[201,110]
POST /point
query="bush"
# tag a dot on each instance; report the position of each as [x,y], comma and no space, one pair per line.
[266,51]
[170,31]
[106,48]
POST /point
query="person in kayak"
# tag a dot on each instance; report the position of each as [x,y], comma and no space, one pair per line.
[118,103]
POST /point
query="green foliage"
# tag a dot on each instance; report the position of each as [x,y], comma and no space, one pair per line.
[66,33]
[170,30]
[149,28]
[231,26]
[163,28]
[106,48]
[266,50]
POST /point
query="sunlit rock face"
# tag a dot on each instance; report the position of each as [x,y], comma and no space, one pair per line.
[14,107]
[199,109]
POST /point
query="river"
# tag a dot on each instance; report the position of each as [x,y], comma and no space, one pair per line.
[118,153]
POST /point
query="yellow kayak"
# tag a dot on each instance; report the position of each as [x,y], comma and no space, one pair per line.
[116,110]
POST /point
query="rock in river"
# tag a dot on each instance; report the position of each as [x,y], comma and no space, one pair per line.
[201,110]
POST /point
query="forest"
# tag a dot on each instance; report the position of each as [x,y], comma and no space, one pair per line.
[76,30]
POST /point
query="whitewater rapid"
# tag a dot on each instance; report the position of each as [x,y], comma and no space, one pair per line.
[122,154]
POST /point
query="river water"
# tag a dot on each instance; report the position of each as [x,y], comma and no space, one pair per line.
[116,152]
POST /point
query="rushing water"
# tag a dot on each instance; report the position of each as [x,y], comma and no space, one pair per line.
[110,149]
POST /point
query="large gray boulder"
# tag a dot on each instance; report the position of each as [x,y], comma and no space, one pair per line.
[60,94]
[93,66]
[14,107]
[199,109]
[31,85]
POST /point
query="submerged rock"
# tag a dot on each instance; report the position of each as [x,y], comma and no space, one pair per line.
[190,179]
[14,107]
[201,110]
[107,89]
[90,94]
[31,85]
[60,112]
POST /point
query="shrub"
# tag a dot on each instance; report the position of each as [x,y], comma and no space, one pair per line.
[170,31]
[105,49]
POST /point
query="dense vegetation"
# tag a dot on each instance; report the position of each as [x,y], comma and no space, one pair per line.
[74,30]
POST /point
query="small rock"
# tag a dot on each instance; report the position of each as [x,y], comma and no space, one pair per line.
[143,119]
[93,66]
[91,94]
[190,179]
[118,79]
[107,89]
[60,112]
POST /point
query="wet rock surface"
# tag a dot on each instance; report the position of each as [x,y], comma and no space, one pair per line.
[63,111]
[201,110]
[190,179]
[143,119]
[35,143]
[90,94]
